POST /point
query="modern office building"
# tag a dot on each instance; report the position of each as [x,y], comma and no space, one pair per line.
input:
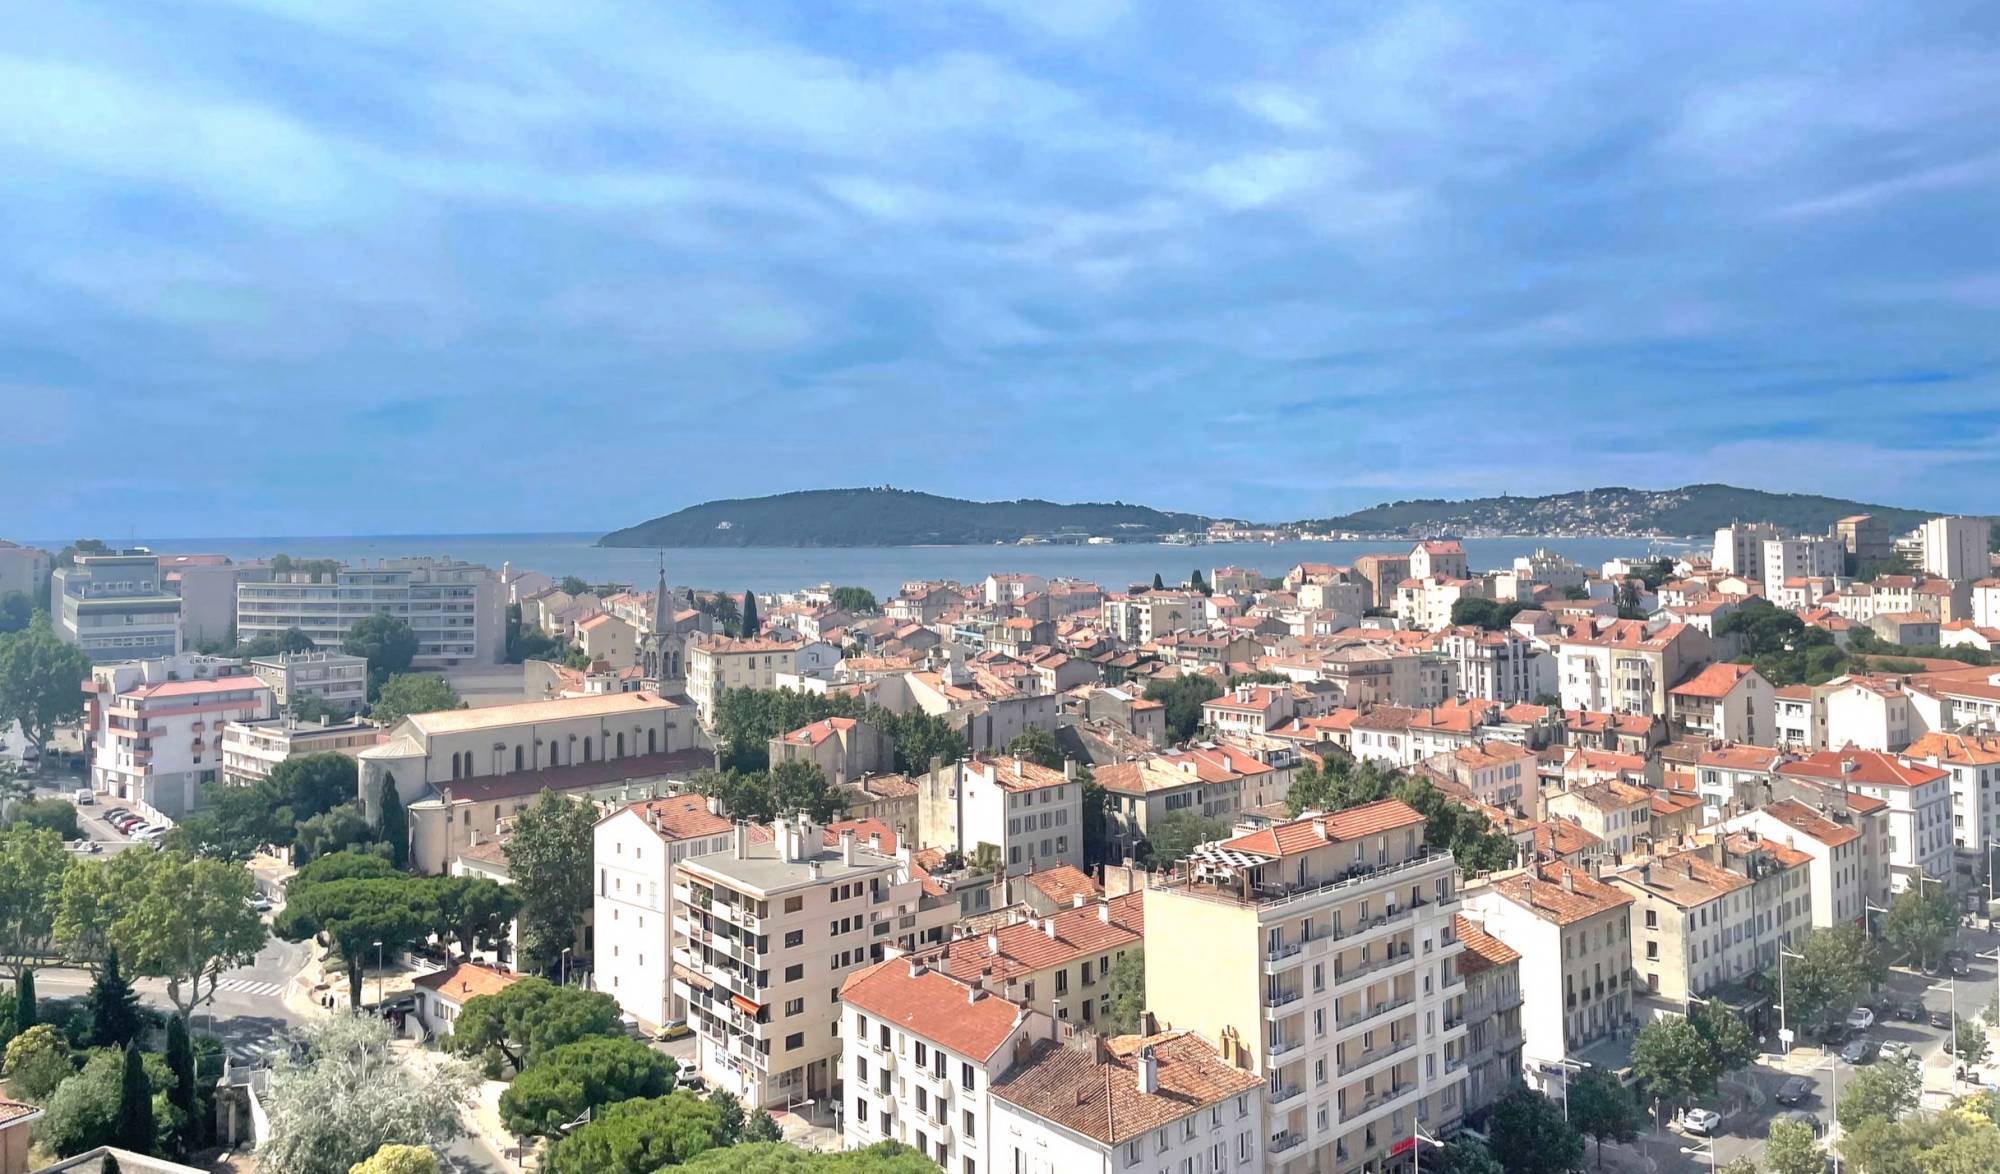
[116,607]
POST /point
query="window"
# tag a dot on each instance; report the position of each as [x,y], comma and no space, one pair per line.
[795,1041]
[794,904]
[794,973]
[794,938]
[795,1006]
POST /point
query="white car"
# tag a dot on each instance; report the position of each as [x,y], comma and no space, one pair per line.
[1701,1122]
[1860,1019]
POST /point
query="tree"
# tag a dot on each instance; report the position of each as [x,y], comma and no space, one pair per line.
[1920,923]
[858,600]
[720,606]
[314,711]
[16,609]
[1730,1044]
[1529,1135]
[1096,830]
[729,1111]
[1834,969]
[1792,1149]
[342,829]
[115,1017]
[1180,833]
[1197,583]
[180,1063]
[38,1061]
[362,918]
[1490,614]
[1675,1062]
[1601,1108]
[1038,746]
[344,1095]
[531,1018]
[1183,698]
[586,1075]
[173,916]
[762,1127]
[473,911]
[771,1157]
[407,693]
[639,1137]
[394,824]
[25,1009]
[1463,1155]
[398,1159]
[1575,592]
[136,1128]
[801,786]
[751,625]
[310,784]
[388,643]
[1969,1043]
[57,815]
[1159,584]
[1884,1091]
[550,855]
[41,683]
[1126,988]
[82,1114]
[921,738]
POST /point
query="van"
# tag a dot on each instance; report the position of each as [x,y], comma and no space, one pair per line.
[84,798]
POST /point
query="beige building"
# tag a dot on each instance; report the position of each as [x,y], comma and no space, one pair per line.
[609,638]
[1026,815]
[1712,916]
[765,934]
[1618,813]
[334,679]
[23,568]
[252,749]
[1058,964]
[1327,946]
[1574,935]
[843,748]
[718,663]
[1730,702]
[1492,971]
[1844,875]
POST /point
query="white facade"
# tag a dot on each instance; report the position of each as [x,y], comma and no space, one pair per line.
[251,750]
[156,728]
[1739,549]
[1032,816]
[634,852]
[456,609]
[338,680]
[1801,558]
[1498,666]
[116,607]
[1955,548]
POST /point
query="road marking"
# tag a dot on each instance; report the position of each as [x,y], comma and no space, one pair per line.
[245,986]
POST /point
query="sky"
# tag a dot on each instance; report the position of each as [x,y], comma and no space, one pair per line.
[325,267]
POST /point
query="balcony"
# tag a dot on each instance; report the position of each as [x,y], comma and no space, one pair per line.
[1353,881]
[1283,1093]
[1274,1000]
[1282,1047]
[1378,1055]
[1280,1142]
[1342,1024]
[1342,975]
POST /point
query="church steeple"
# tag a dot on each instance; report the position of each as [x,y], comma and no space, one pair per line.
[661,613]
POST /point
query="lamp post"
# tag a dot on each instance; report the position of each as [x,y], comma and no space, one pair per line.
[379,978]
[1418,1138]
[1951,1041]
[1706,1147]
[1833,1129]
[1784,1031]
[564,959]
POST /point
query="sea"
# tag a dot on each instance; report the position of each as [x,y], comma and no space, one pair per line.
[880,569]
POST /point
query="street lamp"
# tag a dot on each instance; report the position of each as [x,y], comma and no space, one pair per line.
[564,959]
[1706,1147]
[1833,1129]
[1784,1032]
[1418,1138]
[379,977]
[1951,1041]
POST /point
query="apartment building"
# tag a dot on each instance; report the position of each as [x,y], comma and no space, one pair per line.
[1918,798]
[845,749]
[1574,934]
[1798,715]
[206,584]
[717,663]
[634,852]
[252,749]
[334,679]
[1138,619]
[1382,572]
[455,608]
[23,568]
[1492,970]
[1625,667]
[1617,813]
[1973,763]
[1025,814]
[1498,666]
[1955,548]
[1714,915]
[1739,549]
[1161,1104]
[1425,603]
[1729,702]
[1842,873]
[1058,964]
[920,1053]
[765,935]
[116,607]
[155,727]
[1444,557]
[1499,774]
[1328,943]
[1865,538]
[1801,558]
[1249,710]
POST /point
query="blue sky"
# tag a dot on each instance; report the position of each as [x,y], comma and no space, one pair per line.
[306,266]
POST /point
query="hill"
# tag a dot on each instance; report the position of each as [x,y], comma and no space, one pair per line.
[891,517]
[1689,510]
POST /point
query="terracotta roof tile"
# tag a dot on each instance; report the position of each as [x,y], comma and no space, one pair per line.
[933,1006]
[1028,946]
[1483,951]
[1092,1088]
[1542,890]
[467,980]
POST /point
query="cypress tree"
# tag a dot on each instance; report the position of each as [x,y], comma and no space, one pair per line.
[1198,583]
[180,1062]
[24,1002]
[1159,584]
[115,1018]
[395,823]
[751,624]
[135,1130]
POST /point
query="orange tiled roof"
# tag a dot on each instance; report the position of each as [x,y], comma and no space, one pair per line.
[1064,883]
[1715,681]
[1029,946]
[1870,768]
[953,1015]
[1541,890]
[1092,1088]
[1483,951]
[1301,835]
[467,980]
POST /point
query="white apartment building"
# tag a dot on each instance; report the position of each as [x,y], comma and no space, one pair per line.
[920,1052]
[1801,558]
[1137,619]
[1574,934]
[1325,949]
[718,663]
[1955,548]
[1498,666]
[251,750]
[1549,569]
[1425,604]
[1725,702]
[456,609]
[634,852]
[335,679]
[1842,874]
[1973,762]
[1625,667]
[156,728]
[1163,1104]
[116,607]
[1028,816]
[764,936]
[1739,549]
[1919,805]
[1985,599]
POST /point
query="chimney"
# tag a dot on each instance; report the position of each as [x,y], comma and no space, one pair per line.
[741,845]
[847,848]
[916,968]
[1149,1071]
[1646,873]
[1049,927]
[1104,912]
[992,943]
[1076,901]
[1718,852]
[715,805]
[1017,768]
[1069,769]
[1569,880]
[974,993]
[1319,828]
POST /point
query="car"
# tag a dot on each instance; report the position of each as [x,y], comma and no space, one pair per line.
[690,1078]
[1941,1019]
[1910,1012]
[260,903]
[1897,1050]
[85,797]
[1861,1019]
[1960,968]
[86,846]
[1835,1036]
[1701,1122]
[1801,1117]
[1860,1050]
[1794,1090]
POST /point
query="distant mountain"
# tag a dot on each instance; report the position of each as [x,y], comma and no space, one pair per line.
[1616,510]
[892,517]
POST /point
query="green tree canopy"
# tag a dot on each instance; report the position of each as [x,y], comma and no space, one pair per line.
[403,694]
[353,915]
[398,1159]
[82,1114]
[1674,1061]
[1921,923]
[587,1074]
[1529,1136]
[751,624]
[858,600]
[16,610]
[1881,1091]
[1490,614]
[1038,746]
[1179,833]
[388,643]
[1183,697]
[550,856]
[115,1016]
[1601,1108]
[32,866]
[339,1094]
[530,1019]
[57,815]
[639,1137]
[1126,989]
[474,911]
[170,915]
[38,1060]
[136,1129]
[770,1157]
[41,682]
[1835,968]
[762,1127]
[1792,1149]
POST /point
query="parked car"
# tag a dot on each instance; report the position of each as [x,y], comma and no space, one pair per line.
[690,1078]
[1701,1122]
[1860,1051]
[260,903]
[1960,968]
[1860,1019]
[1897,1050]
[1835,1036]
[1794,1090]
[88,847]
[84,797]
[1941,1019]
[1910,1011]
[1801,1117]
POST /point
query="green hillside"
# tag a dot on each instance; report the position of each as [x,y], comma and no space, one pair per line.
[1689,510]
[890,517]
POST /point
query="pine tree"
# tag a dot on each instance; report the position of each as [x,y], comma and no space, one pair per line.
[180,1062]
[751,624]
[1159,584]
[135,1130]
[115,1018]
[395,827]
[762,1127]
[1198,583]
[24,1002]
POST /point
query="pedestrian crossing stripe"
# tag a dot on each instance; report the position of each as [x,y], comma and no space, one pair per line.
[247,987]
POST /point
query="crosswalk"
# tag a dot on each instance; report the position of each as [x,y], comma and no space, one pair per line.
[247,987]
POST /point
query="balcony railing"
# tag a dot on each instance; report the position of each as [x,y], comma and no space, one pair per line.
[1283,1093]
[1343,1022]
[1283,1047]
[1280,894]
[1356,1065]
[1281,998]
[1280,1142]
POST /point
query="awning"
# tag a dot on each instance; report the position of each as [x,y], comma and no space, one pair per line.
[693,977]
[744,1005]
